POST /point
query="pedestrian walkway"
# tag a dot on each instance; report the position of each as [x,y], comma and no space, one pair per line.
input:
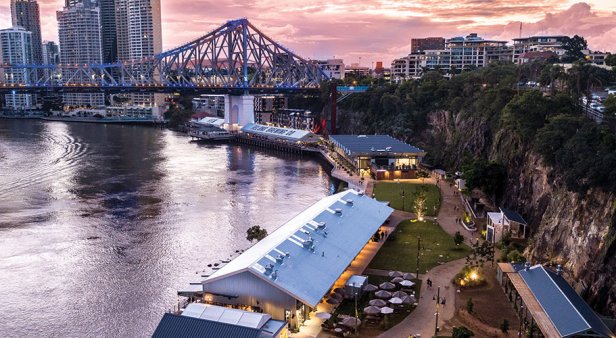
[423,320]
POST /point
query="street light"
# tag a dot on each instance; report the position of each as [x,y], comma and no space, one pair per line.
[438,297]
[418,248]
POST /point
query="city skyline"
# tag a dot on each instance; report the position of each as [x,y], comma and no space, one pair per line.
[363,32]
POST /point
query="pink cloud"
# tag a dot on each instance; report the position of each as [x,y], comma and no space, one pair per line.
[372,29]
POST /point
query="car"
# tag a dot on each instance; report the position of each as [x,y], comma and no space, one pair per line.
[601,109]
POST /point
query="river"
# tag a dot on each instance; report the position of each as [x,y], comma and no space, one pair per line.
[101,224]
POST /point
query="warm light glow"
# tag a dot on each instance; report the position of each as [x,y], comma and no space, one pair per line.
[474,276]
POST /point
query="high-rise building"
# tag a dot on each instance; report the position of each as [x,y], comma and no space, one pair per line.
[51,53]
[79,31]
[139,35]
[16,48]
[109,39]
[25,13]
[423,44]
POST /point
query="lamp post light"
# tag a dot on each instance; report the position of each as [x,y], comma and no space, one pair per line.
[418,248]
[356,314]
[438,297]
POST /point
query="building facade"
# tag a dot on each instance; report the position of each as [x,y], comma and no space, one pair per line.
[552,43]
[138,36]
[16,48]
[25,13]
[51,53]
[79,32]
[422,44]
[473,51]
[109,39]
[333,68]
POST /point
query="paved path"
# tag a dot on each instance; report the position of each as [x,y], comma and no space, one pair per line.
[422,319]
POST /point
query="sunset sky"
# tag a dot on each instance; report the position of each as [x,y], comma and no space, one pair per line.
[373,30]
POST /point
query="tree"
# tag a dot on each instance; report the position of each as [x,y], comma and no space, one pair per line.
[423,175]
[470,305]
[255,232]
[489,177]
[504,327]
[458,238]
[610,60]
[573,48]
[462,332]
[480,254]
[419,205]
[515,256]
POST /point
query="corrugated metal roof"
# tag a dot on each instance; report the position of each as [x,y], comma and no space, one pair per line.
[226,315]
[282,133]
[372,144]
[566,309]
[305,256]
[174,326]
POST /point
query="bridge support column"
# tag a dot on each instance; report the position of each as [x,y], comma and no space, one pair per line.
[239,110]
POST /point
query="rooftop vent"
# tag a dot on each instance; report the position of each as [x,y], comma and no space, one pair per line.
[527,266]
[338,211]
[308,242]
[268,269]
[279,258]
[349,201]
[321,225]
[274,275]
[360,193]
[362,136]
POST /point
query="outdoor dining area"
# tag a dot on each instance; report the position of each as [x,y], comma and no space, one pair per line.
[370,305]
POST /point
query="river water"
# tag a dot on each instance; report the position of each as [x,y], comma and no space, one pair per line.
[101,224]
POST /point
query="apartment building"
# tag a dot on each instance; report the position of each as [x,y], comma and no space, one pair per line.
[16,48]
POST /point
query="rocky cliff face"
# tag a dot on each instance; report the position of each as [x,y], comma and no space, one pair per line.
[576,231]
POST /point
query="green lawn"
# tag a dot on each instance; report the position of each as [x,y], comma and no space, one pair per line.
[392,192]
[400,250]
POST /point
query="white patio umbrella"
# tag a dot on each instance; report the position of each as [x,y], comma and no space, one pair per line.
[372,310]
[408,275]
[408,300]
[399,294]
[387,310]
[351,322]
[395,274]
[323,315]
[395,300]
[387,286]
[377,302]
[383,294]
[406,283]
[370,288]
[397,280]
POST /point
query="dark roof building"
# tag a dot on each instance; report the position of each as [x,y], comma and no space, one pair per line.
[380,156]
[175,326]
[544,298]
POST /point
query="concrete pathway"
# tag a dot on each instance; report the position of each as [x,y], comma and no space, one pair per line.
[423,320]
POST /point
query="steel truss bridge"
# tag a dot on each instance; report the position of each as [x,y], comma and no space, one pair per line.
[235,58]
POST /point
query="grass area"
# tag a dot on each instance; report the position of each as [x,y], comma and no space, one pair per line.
[348,306]
[400,250]
[392,192]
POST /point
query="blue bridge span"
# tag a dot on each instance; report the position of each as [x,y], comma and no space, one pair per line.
[235,59]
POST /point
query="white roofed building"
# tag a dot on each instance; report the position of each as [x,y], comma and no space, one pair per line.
[290,271]
[280,134]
